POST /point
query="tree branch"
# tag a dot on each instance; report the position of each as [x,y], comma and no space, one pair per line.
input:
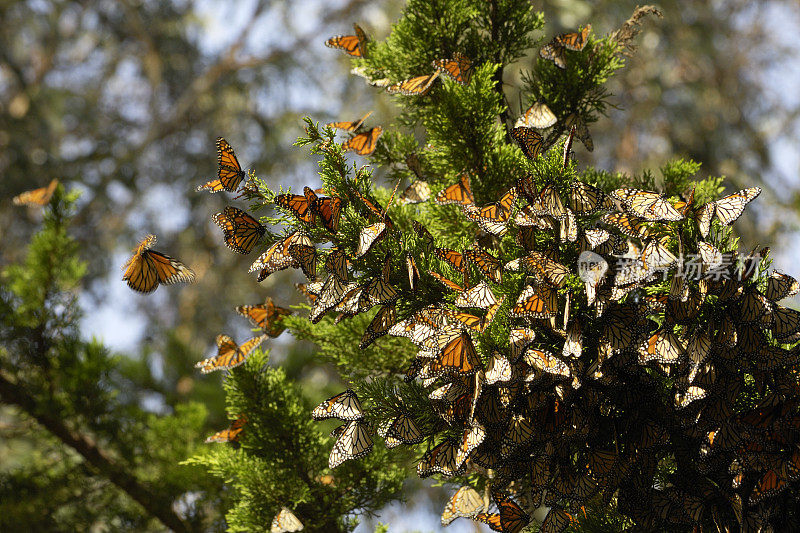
[153,503]
[498,75]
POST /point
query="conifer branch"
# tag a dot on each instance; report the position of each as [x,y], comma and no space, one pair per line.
[498,75]
[153,503]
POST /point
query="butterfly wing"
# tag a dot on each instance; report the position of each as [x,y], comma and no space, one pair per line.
[241,231]
[364,143]
[353,443]
[417,86]
[537,116]
[731,207]
[459,68]
[530,141]
[231,434]
[36,197]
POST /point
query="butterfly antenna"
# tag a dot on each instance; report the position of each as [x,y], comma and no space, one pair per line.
[385,209]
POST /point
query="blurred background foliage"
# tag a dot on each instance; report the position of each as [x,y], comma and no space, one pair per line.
[122,100]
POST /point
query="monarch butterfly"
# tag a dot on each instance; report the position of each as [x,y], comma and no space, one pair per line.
[459,356]
[663,346]
[364,143]
[466,502]
[548,203]
[459,68]
[344,406]
[231,434]
[498,370]
[331,293]
[780,286]
[657,256]
[36,197]
[413,272]
[458,193]
[711,256]
[229,171]
[229,354]
[349,126]
[266,316]
[555,50]
[499,211]
[354,45]
[478,296]
[629,225]
[620,327]
[753,307]
[377,292]
[417,192]
[545,269]
[786,322]
[520,430]
[383,320]
[510,519]
[368,237]
[581,130]
[537,116]
[773,482]
[519,339]
[441,459]
[547,362]
[568,229]
[530,141]
[691,394]
[573,343]
[539,302]
[402,430]
[241,231]
[471,439]
[303,253]
[592,238]
[285,522]
[353,443]
[585,199]
[328,209]
[649,206]
[451,257]
[336,264]
[147,268]
[277,257]
[452,285]
[309,290]
[493,227]
[417,86]
[731,207]
[415,165]
[488,264]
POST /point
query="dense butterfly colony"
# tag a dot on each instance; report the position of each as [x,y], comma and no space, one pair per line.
[616,362]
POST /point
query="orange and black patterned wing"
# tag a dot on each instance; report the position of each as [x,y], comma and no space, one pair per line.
[349,126]
[364,143]
[328,210]
[298,204]
[459,193]
[354,45]
[147,268]
[530,141]
[459,68]
[241,231]
[231,434]
[36,197]
[417,86]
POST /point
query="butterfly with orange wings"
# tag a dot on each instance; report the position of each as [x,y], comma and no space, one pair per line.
[416,86]
[229,354]
[229,171]
[510,518]
[241,230]
[530,141]
[266,316]
[349,126]
[36,197]
[555,50]
[231,434]
[458,193]
[537,116]
[353,45]
[459,68]
[285,522]
[148,268]
[363,143]
[308,206]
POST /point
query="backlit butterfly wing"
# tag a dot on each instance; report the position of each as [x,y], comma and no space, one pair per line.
[554,52]
[306,256]
[545,269]
[344,406]
[530,141]
[231,434]
[490,314]
[459,68]
[512,517]
[417,86]
[419,191]
[545,361]
[354,45]
[519,339]
[470,439]
[147,268]
[332,292]
[459,356]
[36,197]
[353,443]
[539,302]
[647,205]
[495,227]
[780,286]
[277,257]
[364,143]
[663,346]
[549,203]
[498,369]
[557,520]
[384,319]
[478,296]
[229,355]
[627,224]
[229,171]
[266,316]
[466,502]
[285,522]
[574,41]
[585,199]
[458,193]
[336,264]
[349,126]
[488,264]
[568,228]
[703,217]
[731,207]
[241,231]
[441,459]
[453,258]
[368,237]
[537,116]
[297,204]
[413,272]
[403,430]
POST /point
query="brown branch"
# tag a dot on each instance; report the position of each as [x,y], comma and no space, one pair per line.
[498,74]
[153,503]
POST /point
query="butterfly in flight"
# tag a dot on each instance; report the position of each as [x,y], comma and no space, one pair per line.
[555,49]
[36,197]
[229,171]
[266,316]
[241,230]
[353,45]
[229,354]
[147,268]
